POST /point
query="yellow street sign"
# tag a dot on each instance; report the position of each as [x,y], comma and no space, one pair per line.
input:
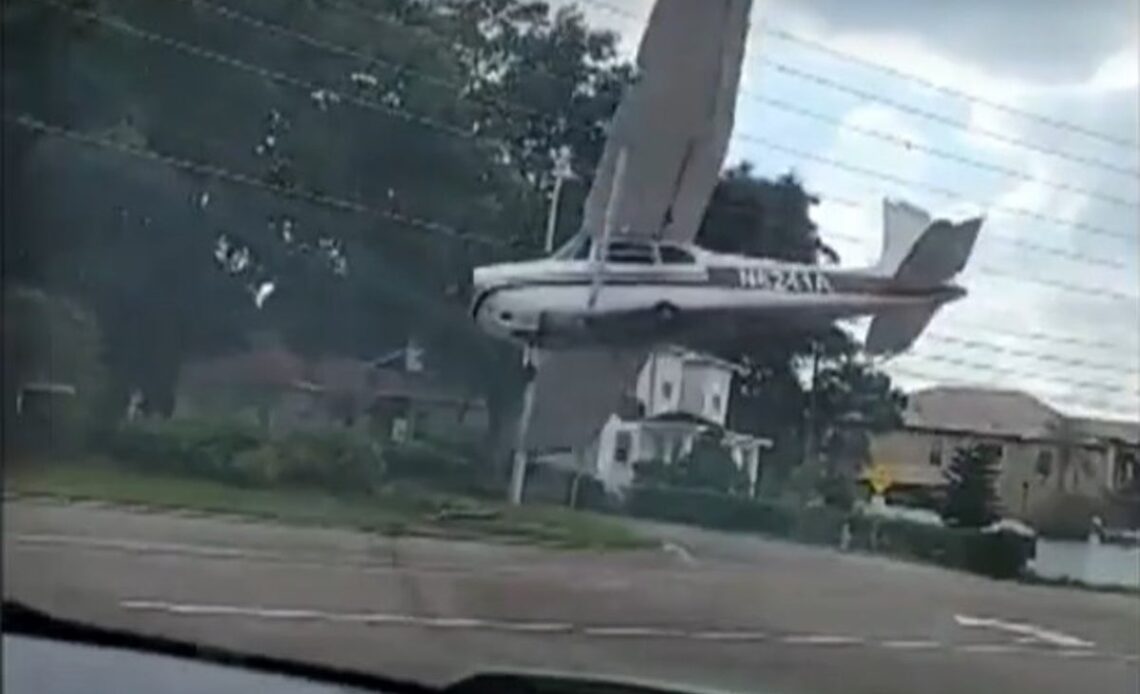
[880,478]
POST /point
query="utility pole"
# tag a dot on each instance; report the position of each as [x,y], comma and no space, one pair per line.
[562,173]
[810,415]
[521,455]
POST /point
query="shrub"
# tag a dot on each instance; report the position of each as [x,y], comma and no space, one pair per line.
[203,448]
[998,554]
[724,512]
[592,496]
[340,462]
[443,469]
[236,453]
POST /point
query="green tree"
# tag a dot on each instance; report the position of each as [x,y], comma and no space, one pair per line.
[707,466]
[971,495]
[852,402]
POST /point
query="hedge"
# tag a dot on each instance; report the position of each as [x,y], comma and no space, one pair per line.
[1001,554]
[239,454]
[724,512]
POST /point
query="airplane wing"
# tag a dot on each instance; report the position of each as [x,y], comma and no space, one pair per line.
[674,122]
[575,391]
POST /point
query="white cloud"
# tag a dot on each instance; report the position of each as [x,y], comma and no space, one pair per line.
[1119,71]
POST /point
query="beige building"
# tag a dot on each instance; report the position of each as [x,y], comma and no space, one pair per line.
[1045,456]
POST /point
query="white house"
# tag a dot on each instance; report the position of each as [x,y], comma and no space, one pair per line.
[680,394]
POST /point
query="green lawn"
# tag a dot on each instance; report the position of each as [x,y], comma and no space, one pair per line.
[391,512]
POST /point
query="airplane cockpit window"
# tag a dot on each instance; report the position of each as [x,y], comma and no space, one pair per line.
[672,255]
[631,252]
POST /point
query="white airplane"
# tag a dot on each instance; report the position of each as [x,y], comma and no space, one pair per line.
[633,278]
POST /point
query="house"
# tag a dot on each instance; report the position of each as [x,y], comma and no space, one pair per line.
[1043,454]
[679,396]
[389,397]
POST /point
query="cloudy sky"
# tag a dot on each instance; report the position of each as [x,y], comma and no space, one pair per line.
[1051,132]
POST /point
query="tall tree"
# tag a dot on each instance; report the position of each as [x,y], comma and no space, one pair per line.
[771,219]
[971,496]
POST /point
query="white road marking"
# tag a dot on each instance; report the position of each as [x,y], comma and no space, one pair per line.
[1031,631]
[1074,653]
[473,623]
[632,631]
[729,635]
[821,640]
[990,648]
[533,627]
[911,645]
[453,622]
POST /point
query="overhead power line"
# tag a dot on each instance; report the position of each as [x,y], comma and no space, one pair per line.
[1100,403]
[428,122]
[1035,375]
[349,206]
[941,153]
[1038,336]
[1123,297]
[1116,369]
[946,120]
[275,75]
[846,57]
[258,70]
[1080,258]
[949,91]
[939,190]
[346,52]
[251,181]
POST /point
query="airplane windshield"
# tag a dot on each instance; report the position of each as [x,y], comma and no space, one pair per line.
[577,248]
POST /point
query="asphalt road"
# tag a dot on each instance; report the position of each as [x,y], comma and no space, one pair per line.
[713,610]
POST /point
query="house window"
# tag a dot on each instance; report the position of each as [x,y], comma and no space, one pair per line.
[716,404]
[936,453]
[666,390]
[623,442]
[1044,466]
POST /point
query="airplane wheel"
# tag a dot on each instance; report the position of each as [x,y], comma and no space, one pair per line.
[666,313]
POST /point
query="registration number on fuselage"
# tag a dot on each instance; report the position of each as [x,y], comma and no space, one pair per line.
[783,280]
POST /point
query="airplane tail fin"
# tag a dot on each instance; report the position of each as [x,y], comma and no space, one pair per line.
[918,254]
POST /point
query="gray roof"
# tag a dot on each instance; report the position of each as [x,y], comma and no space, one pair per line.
[1113,429]
[982,411]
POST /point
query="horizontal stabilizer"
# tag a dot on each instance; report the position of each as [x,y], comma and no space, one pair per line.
[894,330]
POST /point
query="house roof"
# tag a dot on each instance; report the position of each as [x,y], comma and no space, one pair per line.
[702,358]
[269,366]
[982,411]
[1112,429]
[337,376]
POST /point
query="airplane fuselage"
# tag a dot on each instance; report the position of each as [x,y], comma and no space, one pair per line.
[560,301]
